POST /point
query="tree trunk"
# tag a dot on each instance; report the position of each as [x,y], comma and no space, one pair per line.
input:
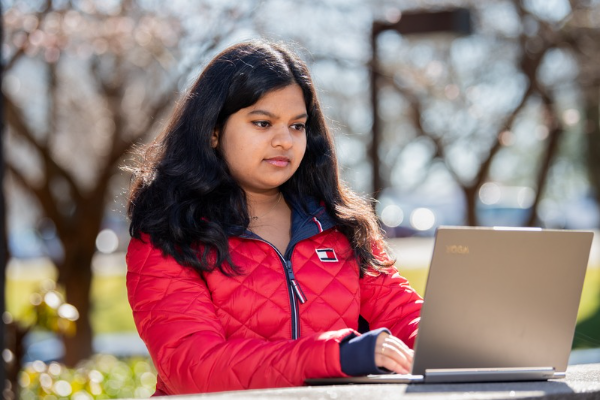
[14,342]
[77,284]
[592,129]
[471,203]
[554,136]
[75,274]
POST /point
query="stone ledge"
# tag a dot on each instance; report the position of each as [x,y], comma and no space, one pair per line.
[582,383]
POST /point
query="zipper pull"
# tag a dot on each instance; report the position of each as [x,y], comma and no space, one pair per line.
[295,285]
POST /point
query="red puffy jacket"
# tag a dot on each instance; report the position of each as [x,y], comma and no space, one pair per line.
[277,324]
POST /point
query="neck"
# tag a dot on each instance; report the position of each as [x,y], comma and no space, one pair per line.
[260,204]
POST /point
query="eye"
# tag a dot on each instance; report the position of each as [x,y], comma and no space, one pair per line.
[262,124]
[299,127]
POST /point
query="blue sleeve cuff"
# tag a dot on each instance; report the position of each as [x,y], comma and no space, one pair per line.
[357,353]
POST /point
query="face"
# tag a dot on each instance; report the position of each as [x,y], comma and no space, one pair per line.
[263,144]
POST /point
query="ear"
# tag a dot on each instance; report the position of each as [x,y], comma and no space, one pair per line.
[214,140]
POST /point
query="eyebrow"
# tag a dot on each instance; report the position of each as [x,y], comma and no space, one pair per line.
[271,115]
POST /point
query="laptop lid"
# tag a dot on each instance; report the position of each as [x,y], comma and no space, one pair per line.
[500,299]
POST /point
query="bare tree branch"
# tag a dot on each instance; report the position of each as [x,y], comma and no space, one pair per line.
[143,132]
[416,108]
[15,118]
[555,133]
[42,193]
[52,104]
[21,50]
[121,147]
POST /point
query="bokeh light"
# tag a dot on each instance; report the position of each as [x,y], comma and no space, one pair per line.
[422,219]
[107,241]
[489,193]
[392,216]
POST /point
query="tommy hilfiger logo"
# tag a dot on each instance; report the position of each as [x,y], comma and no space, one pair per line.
[327,255]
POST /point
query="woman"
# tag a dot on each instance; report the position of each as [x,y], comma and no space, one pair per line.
[251,263]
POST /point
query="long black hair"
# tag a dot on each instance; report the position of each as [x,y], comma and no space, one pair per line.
[182,194]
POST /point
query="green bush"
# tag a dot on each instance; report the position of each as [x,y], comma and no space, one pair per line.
[102,377]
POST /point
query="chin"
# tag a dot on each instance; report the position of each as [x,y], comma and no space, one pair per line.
[277,182]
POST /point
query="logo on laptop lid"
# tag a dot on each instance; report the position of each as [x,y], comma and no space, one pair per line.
[457,249]
[326,255]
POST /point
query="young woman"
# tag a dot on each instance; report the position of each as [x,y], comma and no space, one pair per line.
[251,264]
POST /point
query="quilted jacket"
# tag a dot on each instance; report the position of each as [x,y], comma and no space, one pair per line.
[277,324]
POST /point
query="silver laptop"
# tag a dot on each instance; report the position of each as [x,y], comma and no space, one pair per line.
[500,305]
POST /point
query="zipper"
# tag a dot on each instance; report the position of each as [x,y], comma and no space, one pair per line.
[294,290]
[295,285]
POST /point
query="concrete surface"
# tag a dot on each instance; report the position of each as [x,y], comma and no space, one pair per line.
[582,383]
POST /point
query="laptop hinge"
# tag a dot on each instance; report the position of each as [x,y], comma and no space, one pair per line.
[491,374]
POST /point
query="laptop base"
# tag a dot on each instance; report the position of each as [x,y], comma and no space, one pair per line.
[451,376]
[490,374]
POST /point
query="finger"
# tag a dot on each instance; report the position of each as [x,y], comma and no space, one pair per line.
[381,338]
[400,344]
[389,363]
[393,354]
[393,366]
[397,355]
[393,359]
[407,351]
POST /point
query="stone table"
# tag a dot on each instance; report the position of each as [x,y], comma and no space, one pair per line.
[582,382]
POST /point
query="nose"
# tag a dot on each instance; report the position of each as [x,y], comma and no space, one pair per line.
[282,137]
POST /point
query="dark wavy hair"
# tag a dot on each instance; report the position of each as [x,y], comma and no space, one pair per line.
[182,194]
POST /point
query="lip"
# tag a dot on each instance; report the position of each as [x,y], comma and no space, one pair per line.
[278,161]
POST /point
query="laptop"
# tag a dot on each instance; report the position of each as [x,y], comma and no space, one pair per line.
[500,305]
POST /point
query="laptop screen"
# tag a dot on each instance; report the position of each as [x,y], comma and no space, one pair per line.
[501,298]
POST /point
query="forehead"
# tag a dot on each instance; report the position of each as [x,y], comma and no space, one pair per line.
[288,97]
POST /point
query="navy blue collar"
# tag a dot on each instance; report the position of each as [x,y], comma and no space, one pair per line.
[309,218]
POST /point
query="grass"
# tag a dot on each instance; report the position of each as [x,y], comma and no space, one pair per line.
[587,332]
[111,312]
[110,309]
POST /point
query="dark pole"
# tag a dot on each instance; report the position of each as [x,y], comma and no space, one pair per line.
[375,128]
[3,238]
[457,21]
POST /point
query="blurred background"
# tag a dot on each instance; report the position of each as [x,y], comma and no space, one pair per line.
[447,112]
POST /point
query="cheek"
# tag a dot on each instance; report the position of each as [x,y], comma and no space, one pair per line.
[233,150]
[237,159]
[301,148]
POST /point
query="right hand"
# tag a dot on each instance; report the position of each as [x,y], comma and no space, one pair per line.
[393,354]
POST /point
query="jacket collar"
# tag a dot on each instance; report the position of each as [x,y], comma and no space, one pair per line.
[309,218]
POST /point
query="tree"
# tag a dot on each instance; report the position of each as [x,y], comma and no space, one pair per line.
[582,39]
[464,132]
[88,81]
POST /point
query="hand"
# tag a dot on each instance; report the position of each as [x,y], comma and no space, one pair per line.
[391,353]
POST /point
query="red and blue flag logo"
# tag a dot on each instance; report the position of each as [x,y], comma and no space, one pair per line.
[327,255]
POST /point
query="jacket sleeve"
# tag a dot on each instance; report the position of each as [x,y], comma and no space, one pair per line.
[175,317]
[388,301]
